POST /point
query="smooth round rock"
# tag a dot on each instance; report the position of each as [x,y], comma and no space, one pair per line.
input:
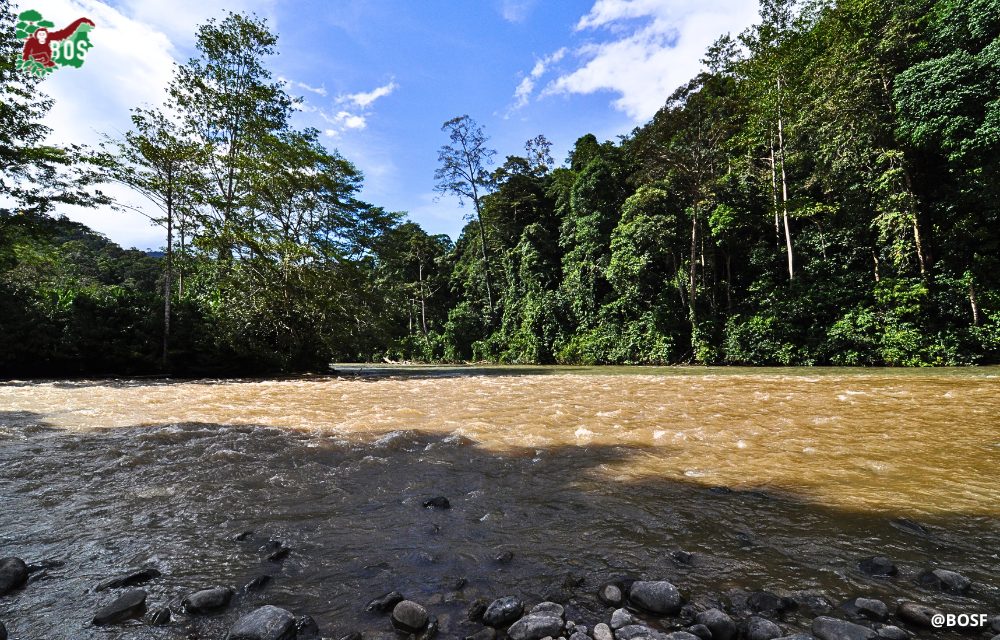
[871,608]
[131,604]
[264,623]
[916,614]
[610,594]
[160,617]
[634,631]
[437,502]
[758,628]
[890,632]
[701,631]
[13,574]
[827,628]
[208,600]
[503,612]
[602,632]
[659,597]
[409,617]
[681,635]
[623,618]
[130,579]
[535,626]
[719,623]
[878,566]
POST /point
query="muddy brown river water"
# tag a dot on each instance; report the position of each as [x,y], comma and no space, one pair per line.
[773,479]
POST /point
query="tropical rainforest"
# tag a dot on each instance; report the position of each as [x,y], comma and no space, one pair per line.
[825,192]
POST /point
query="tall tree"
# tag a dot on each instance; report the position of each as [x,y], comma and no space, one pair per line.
[463,173]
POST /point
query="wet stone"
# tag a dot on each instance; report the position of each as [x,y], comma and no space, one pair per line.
[623,618]
[503,612]
[916,614]
[549,609]
[265,623]
[877,566]
[385,602]
[827,628]
[3,632]
[871,608]
[535,627]
[306,627]
[890,632]
[279,555]
[409,617]
[208,600]
[504,557]
[701,631]
[610,594]
[478,608]
[489,633]
[945,580]
[659,597]
[132,604]
[719,623]
[257,583]
[758,628]
[135,577]
[13,574]
[438,502]
[160,617]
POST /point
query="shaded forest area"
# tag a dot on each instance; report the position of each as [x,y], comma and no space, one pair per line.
[826,192]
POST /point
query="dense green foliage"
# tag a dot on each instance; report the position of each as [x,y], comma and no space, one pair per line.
[826,192]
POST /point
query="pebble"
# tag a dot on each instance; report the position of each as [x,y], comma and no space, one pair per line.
[409,617]
[131,604]
[264,623]
[622,618]
[207,600]
[503,612]
[602,632]
[659,597]
[13,574]
[718,622]
[610,594]
[827,628]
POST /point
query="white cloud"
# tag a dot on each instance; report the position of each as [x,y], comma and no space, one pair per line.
[320,91]
[179,19]
[654,47]
[527,85]
[365,100]
[516,10]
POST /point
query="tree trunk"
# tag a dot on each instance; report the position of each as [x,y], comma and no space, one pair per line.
[784,189]
[692,280]
[167,288]
[423,298]
[974,303]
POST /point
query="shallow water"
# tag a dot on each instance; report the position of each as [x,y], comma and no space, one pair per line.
[588,473]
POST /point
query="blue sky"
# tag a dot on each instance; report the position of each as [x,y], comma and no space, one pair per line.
[379,77]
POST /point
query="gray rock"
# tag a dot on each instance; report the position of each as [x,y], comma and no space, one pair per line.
[257,583]
[681,635]
[207,600]
[944,580]
[827,628]
[994,623]
[769,603]
[385,603]
[610,594]
[878,566]
[633,631]
[701,631]
[137,576]
[489,633]
[602,632]
[548,608]
[579,636]
[797,636]
[758,628]
[437,502]
[535,626]
[622,618]
[720,624]
[916,614]
[430,630]
[659,597]
[409,617]
[306,628]
[477,609]
[503,612]
[3,632]
[264,623]
[871,608]
[160,617]
[131,604]
[890,632]
[13,574]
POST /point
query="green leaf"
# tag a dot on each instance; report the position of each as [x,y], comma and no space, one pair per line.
[21,26]
[48,24]
[21,35]
[30,16]
[33,28]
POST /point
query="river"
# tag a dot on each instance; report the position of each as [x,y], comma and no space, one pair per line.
[773,479]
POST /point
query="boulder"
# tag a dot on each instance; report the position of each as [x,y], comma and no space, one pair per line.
[758,628]
[264,623]
[701,631]
[659,597]
[207,600]
[890,632]
[827,628]
[130,579]
[602,632]
[635,631]
[385,603]
[916,614]
[944,580]
[503,612]
[13,574]
[535,626]
[681,635]
[437,502]
[409,617]
[719,623]
[131,604]
[878,566]
[548,608]
[489,633]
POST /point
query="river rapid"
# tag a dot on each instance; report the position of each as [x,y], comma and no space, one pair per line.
[778,480]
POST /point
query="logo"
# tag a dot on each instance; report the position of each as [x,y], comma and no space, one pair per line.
[45,49]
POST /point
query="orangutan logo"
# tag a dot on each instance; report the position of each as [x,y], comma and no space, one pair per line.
[45,49]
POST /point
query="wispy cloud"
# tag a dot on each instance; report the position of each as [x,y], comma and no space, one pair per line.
[516,10]
[650,48]
[522,94]
[320,91]
[366,99]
